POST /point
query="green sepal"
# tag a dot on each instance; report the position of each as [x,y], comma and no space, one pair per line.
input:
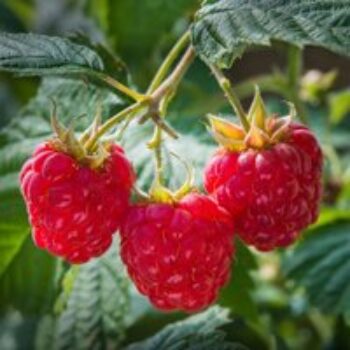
[257,113]
[226,134]
[160,194]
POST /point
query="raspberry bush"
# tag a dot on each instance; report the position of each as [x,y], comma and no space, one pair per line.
[120,216]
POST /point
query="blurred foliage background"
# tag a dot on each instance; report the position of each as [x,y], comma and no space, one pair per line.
[299,299]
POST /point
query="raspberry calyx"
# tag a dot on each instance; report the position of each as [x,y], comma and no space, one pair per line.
[65,141]
[263,131]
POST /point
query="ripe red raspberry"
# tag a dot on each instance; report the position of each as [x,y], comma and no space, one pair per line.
[73,209]
[273,193]
[178,255]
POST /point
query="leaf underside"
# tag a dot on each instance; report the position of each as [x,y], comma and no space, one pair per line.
[224,30]
[97,306]
[196,332]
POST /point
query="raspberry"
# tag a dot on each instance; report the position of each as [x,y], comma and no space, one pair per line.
[273,192]
[73,209]
[178,255]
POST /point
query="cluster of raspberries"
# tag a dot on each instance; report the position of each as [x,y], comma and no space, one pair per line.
[178,255]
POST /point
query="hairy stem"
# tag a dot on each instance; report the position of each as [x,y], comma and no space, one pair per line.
[294,71]
[226,86]
[295,65]
[171,83]
[154,100]
[110,123]
[162,94]
[156,145]
[168,62]
[120,87]
[161,97]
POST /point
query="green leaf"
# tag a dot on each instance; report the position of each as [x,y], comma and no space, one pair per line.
[339,103]
[113,65]
[237,294]
[187,116]
[321,264]
[24,10]
[34,54]
[26,283]
[224,30]
[97,306]
[19,260]
[195,333]
[13,233]
[12,238]
[44,337]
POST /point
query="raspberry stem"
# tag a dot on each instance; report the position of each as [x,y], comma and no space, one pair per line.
[158,96]
[294,71]
[160,99]
[123,88]
[168,62]
[171,83]
[136,96]
[110,123]
[231,96]
[162,96]
[156,144]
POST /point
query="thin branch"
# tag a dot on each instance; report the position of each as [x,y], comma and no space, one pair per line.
[294,71]
[172,82]
[226,86]
[119,117]
[168,62]
[136,96]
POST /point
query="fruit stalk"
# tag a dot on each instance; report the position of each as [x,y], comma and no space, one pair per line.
[155,144]
[162,96]
[122,88]
[156,99]
[294,70]
[171,83]
[231,96]
[110,123]
[168,62]
[136,96]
